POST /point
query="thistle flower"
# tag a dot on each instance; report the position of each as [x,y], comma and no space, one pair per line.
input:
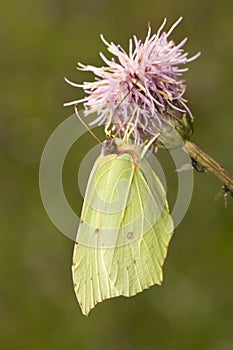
[141,89]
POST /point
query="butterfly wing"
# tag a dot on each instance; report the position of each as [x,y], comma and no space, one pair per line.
[137,264]
[124,231]
[102,213]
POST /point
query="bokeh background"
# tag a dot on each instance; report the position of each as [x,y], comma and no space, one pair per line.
[41,41]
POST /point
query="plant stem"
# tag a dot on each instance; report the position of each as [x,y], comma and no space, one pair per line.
[209,164]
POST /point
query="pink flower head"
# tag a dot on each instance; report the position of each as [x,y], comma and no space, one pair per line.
[139,88]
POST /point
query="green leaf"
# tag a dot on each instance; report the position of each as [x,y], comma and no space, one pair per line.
[124,231]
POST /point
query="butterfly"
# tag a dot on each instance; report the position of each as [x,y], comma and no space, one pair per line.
[125,227]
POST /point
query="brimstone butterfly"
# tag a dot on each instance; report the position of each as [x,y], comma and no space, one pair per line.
[125,227]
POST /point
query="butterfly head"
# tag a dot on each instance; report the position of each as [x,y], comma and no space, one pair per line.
[109,146]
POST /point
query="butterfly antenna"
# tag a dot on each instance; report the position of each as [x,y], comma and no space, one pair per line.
[86,126]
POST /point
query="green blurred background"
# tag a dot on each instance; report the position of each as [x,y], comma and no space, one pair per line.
[41,41]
